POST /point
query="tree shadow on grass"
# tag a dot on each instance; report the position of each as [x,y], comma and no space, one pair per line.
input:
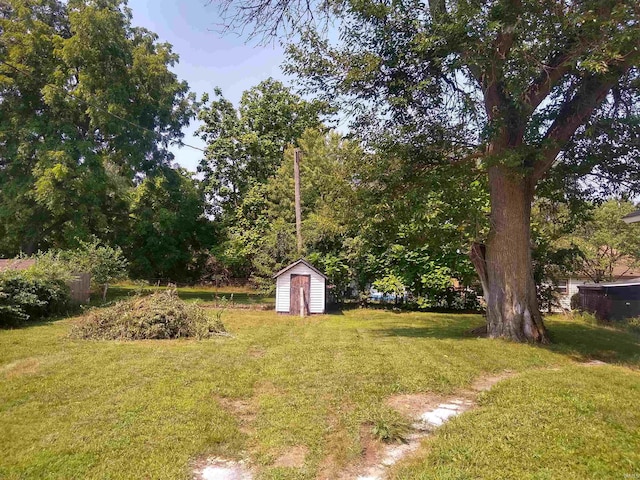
[584,342]
[438,326]
[18,325]
[208,296]
[580,341]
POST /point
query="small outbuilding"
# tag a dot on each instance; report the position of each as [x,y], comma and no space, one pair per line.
[611,301]
[300,289]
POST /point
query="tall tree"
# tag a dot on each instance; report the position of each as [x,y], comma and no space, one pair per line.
[246,145]
[169,232]
[264,233]
[88,102]
[503,86]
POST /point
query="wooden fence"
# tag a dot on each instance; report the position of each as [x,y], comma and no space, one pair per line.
[80,287]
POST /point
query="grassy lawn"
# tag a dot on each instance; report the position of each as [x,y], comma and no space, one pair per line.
[238,295]
[79,409]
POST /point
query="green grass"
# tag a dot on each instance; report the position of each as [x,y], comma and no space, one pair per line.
[80,409]
[238,295]
[573,423]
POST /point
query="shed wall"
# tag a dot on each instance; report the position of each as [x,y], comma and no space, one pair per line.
[283,288]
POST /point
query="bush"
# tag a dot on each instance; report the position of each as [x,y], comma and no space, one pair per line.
[105,263]
[632,324]
[26,296]
[575,301]
[161,315]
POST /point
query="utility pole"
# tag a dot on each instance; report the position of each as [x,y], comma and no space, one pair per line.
[296,178]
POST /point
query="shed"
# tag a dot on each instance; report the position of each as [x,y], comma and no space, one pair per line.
[611,301]
[300,287]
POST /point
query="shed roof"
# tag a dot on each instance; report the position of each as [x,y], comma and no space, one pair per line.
[298,262]
[625,283]
[632,217]
[16,263]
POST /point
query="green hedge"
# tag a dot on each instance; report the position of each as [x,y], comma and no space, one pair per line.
[24,297]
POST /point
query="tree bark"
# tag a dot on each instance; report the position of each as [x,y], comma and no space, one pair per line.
[504,265]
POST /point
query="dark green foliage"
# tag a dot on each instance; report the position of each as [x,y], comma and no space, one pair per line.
[89,102]
[169,232]
[575,301]
[158,316]
[28,297]
[246,145]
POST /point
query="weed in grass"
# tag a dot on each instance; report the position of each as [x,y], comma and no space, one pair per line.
[388,425]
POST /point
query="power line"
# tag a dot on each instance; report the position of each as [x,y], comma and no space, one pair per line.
[65,92]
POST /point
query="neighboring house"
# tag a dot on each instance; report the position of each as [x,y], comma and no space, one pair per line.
[300,287]
[632,217]
[568,287]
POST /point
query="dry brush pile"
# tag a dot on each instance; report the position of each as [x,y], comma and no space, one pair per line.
[158,316]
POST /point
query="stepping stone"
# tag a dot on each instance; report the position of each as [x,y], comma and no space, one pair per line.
[219,469]
[438,416]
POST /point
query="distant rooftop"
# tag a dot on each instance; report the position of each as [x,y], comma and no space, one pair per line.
[16,263]
[624,283]
[633,217]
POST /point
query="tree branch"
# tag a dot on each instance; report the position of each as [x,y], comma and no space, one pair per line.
[573,113]
[548,78]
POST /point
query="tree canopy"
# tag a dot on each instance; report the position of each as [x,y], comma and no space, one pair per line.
[89,103]
[245,146]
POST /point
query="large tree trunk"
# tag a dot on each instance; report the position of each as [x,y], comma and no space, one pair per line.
[504,265]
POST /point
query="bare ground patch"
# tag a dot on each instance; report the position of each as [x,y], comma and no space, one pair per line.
[243,410]
[294,457]
[24,366]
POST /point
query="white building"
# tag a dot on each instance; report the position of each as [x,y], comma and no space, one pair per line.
[569,287]
[300,286]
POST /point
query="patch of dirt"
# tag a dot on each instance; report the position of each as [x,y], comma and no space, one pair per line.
[594,363]
[413,404]
[266,387]
[24,366]
[293,458]
[371,454]
[244,411]
[482,384]
[256,352]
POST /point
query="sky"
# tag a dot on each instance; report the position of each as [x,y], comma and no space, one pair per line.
[207,59]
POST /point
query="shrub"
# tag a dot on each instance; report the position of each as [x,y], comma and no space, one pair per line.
[27,296]
[105,263]
[587,317]
[575,301]
[632,324]
[161,315]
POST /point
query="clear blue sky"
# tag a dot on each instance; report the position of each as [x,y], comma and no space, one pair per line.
[207,60]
